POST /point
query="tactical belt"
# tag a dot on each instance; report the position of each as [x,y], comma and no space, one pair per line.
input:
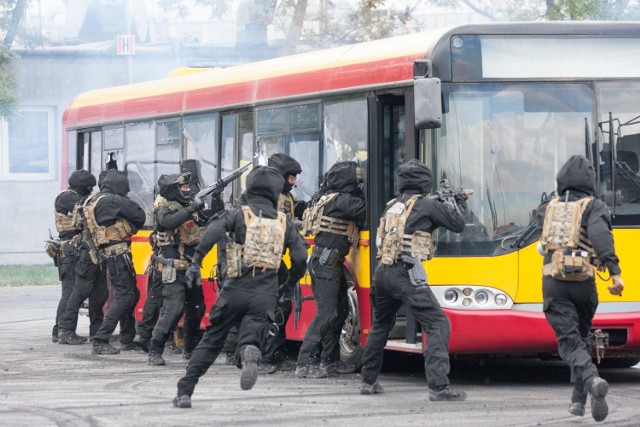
[178,264]
[117,249]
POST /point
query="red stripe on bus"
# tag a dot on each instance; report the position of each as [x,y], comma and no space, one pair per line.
[351,76]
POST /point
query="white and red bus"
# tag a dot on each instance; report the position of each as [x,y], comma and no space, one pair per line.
[496,108]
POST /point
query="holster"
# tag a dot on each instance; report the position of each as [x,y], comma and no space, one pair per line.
[417,273]
[326,256]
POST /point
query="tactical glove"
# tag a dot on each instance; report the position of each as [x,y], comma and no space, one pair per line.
[617,287]
[193,276]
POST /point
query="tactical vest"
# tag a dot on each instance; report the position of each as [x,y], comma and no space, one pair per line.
[285,205]
[66,222]
[314,221]
[189,233]
[263,247]
[100,234]
[394,241]
[563,236]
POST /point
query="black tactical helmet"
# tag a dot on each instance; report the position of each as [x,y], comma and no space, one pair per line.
[82,182]
[287,166]
[414,175]
[172,187]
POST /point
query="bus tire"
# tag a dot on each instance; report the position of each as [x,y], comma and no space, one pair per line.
[351,352]
[624,362]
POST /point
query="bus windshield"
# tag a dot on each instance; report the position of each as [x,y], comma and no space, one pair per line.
[506,142]
[619,168]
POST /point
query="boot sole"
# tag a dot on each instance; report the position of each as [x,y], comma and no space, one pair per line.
[599,406]
[447,399]
[249,374]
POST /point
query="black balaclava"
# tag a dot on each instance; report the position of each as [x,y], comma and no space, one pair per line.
[82,182]
[287,166]
[191,166]
[264,182]
[169,187]
[414,177]
[115,182]
[342,177]
[577,175]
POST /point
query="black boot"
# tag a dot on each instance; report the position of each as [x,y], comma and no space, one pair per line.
[250,358]
[183,401]
[101,347]
[70,337]
[156,359]
[54,334]
[143,343]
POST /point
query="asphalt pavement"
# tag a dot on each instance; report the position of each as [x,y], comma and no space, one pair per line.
[47,384]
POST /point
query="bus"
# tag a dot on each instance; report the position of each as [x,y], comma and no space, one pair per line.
[496,108]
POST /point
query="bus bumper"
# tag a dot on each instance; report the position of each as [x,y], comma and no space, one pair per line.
[524,333]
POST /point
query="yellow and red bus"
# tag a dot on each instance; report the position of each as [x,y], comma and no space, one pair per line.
[496,108]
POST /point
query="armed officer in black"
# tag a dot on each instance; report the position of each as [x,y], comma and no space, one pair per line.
[416,217]
[81,182]
[258,236]
[289,168]
[179,227]
[112,218]
[91,283]
[570,304]
[336,220]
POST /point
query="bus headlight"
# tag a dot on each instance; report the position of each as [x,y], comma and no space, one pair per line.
[501,299]
[481,297]
[470,297]
[451,296]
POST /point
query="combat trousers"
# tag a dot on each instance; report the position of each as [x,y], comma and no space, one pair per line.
[152,305]
[67,276]
[90,282]
[390,289]
[569,308]
[176,300]
[123,281]
[332,308]
[284,307]
[234,306]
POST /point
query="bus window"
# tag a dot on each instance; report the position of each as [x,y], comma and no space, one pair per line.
[618,102]
[140,165]
[293,130]
[506,142]
[227,147]
[168,145]
[95,150]
[245,142]
[345,132]
[201,144]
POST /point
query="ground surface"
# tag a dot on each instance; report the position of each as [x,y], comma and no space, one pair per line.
[46,384]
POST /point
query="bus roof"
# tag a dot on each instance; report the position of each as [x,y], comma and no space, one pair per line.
[373,63]
[378,63]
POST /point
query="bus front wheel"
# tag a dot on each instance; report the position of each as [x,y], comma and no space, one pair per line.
[351,351]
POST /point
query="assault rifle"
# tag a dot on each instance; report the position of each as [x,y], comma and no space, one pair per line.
[218,187]
[298,299]
[52,248]
[447,194]
[94,253]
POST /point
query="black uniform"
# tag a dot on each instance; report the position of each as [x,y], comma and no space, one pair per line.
[391,287]
[328,281]
[113,204]
[91,283]
[288,166]
[177,297]
[570,306]
[81,183]
[249,300]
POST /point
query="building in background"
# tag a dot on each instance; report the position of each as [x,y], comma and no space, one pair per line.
[79,58]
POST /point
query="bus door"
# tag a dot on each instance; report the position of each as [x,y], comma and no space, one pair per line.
[392,139]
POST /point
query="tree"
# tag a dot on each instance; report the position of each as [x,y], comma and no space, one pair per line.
[11,15]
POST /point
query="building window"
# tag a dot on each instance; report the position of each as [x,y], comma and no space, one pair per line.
[27,143]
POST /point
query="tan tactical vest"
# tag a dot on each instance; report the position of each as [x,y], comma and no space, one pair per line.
[314,221]
[563,236]
[285,205]
[66,222]
[395,241]
[189,233]
[100,234]
[263,247]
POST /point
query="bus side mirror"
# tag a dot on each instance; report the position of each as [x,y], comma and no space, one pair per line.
[427,102]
